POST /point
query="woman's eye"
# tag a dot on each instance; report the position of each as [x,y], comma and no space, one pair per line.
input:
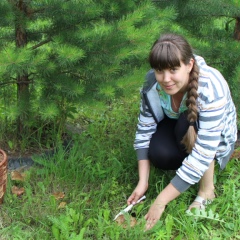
[158,71]
[173,69]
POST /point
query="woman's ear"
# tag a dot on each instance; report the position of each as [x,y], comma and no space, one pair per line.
[190,65]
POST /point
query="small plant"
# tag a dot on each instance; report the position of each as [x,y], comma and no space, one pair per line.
[202,213]
[68,225]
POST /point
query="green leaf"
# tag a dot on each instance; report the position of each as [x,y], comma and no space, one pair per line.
[56,232]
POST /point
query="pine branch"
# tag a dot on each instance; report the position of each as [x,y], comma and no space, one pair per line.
[31,11]
[211,15]
[7,83]
[14,82]
[72,73]
[41,43]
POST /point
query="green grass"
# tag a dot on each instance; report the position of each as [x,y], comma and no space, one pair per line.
[97,175]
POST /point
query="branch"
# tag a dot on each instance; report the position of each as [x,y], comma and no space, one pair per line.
[33,11]
[211,15]
[72,73]
[42,43]
[14,82]
[7,83]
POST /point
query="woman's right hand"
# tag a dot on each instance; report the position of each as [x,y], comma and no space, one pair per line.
[143,170]
[138,192]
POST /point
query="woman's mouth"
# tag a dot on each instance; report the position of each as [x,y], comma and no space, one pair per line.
[169,86]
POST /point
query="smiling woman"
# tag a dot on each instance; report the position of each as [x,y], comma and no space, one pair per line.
[174,80]
[187,122]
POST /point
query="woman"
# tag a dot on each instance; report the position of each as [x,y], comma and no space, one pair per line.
[187,122]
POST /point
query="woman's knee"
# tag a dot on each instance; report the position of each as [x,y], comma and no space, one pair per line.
[164,159]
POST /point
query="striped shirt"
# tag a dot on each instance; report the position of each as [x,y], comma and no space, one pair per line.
[217,130]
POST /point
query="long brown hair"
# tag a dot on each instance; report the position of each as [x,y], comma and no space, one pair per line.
[168,52]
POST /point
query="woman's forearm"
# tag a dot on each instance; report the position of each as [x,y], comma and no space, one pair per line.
[142,186]
[168,194]
[143,170]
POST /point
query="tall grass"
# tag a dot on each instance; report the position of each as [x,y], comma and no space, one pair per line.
[97,174]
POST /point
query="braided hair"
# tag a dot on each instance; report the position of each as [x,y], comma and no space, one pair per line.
[167,53]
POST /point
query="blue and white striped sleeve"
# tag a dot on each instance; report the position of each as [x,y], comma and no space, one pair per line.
[145,128]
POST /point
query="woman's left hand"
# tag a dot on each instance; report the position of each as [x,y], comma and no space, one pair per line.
[154,214]
[156,210]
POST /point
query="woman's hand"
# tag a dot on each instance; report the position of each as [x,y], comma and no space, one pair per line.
[143,171]
[138,192]
[154,214]
[156,210]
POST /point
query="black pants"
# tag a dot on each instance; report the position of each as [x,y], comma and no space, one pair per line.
[166,151]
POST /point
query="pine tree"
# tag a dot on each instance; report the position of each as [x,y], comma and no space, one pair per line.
[55,53]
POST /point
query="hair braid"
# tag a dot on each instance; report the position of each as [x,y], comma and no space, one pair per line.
[191,135]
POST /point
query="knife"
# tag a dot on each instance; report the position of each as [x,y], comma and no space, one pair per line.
[129,207]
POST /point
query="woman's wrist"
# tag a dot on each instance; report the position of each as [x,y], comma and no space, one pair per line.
[143,182]
[143,169]
[167,195]
[161,201]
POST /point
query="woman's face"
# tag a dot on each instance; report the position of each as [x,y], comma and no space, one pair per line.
[174,80]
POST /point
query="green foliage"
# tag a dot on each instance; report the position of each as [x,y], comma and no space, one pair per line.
[68,53]
[236,87]
[97,173]
[67,225]
[202,213]
[86,61]
[211,26]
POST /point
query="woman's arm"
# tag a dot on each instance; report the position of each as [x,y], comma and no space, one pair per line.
[143,171]
[168,194]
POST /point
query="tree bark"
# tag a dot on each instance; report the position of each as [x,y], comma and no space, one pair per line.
[22,79]
[237,29]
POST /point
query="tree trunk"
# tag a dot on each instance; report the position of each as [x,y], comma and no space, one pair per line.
[237,29]
[22,80]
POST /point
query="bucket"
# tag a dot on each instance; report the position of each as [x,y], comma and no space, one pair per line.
[3,174]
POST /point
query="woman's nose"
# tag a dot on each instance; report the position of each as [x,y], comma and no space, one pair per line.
[166,76]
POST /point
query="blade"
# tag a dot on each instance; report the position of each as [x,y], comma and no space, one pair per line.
[128,208]
[123,211]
